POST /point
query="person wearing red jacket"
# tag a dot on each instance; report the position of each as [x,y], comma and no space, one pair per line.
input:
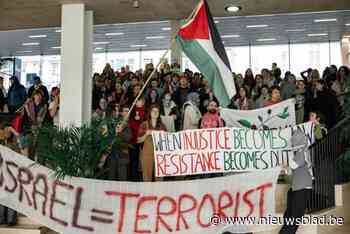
[137,117]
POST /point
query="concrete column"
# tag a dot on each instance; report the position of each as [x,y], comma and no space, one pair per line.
[87,82]
[345,51]
[176,52]
[76,56]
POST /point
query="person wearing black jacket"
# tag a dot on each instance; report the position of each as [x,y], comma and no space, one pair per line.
[326,103]
[39,86]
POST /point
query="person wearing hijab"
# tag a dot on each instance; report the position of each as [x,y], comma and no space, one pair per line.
[191,111]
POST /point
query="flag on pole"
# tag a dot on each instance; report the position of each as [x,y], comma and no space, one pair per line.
[202,44]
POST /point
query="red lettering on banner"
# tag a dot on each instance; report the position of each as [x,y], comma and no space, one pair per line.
[216,160]
[139,216]
[55,200]
[12,164]
[210,131]
[238,202]
[76,211]
[183,165]
[222,206]
[44,194]
[178,167]
[160,170]
[160,214]
[24,181]
[262,198]
[227,138]
[182,211]
[248,201]
[212,202]
[198,163]
[123,197]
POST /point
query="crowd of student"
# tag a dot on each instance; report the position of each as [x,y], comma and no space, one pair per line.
[173,101]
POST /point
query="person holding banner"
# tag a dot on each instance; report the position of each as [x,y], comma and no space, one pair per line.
[153,122]
[302,177]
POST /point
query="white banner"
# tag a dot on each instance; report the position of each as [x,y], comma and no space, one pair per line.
[84,206]
[219,150]
[275,116]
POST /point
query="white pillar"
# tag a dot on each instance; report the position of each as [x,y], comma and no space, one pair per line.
[76,40]
[176,52]
[345,51]
[87,82]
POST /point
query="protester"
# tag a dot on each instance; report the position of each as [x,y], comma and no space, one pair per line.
[153,123]
[117,163]
[3,94]
[275,96]
[300,101]
[262,97]
[39,86]
[180,95]
[243,101]
[191,111]
[169,113]
[326,103]
[16,96]
[212,119]
[299,193]
[101,111]
[54,105]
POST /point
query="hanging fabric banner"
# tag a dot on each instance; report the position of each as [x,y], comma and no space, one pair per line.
[220,150]
[275,116]
[85,206]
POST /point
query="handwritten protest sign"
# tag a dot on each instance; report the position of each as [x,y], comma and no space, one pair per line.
[203,151]
[275,116]
[83,206]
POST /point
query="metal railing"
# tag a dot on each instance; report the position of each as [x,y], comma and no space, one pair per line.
[328,169]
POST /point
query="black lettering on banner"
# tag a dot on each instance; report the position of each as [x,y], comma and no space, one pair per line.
[8,165]
[1,171]
[44,193]
[24,177]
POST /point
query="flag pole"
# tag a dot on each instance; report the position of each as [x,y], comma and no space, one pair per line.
[160,61]
[149,78]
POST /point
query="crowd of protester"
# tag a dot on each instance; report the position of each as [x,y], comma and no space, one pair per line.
[173,101]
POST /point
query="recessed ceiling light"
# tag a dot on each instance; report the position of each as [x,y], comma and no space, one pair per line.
[317,34]
[25,51]
[348,24]
[31,44]
[266,39]
[37,36]
[133,46]
[324,20]
[257,26]
[296,30]
[56,47]
[114,34]
[230,36]
[155,37]
[166,29]
[101,43]
[232,8]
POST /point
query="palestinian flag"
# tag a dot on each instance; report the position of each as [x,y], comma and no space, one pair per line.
[202,44]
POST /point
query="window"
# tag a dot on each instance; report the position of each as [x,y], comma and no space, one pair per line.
[264,56]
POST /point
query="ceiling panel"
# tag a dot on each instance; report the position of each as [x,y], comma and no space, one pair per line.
[136,33]
[20,14]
